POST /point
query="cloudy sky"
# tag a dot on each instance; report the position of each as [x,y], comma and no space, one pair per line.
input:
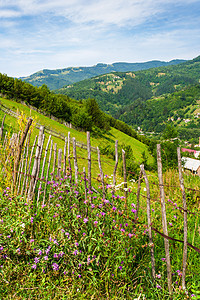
[52,34]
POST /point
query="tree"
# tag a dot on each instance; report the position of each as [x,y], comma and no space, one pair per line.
[170,132]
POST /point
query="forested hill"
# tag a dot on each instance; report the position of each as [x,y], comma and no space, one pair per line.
[56,79]
[124,95]
[85,114]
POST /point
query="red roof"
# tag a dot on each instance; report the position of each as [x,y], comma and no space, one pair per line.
[188,150]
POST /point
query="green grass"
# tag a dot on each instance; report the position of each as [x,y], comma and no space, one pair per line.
[52,252]
[107,139]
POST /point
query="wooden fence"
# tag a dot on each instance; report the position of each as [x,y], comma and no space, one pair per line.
[34,166]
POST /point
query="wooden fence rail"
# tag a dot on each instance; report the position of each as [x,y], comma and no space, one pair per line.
[33,177]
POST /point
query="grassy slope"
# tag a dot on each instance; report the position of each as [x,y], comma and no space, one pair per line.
[110,137]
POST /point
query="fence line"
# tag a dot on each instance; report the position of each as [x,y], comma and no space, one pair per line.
[33,177]
[47,129]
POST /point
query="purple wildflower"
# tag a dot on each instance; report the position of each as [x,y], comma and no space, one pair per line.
[163,259]
[34,266]
[36,259]
[158,286]
[55,267]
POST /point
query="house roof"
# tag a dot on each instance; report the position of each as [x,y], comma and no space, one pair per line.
[191,163]
[188,150]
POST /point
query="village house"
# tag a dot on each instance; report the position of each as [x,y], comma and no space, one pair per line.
[192,165]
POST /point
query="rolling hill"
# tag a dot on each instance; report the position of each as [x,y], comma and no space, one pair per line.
[56,79]
[148,98]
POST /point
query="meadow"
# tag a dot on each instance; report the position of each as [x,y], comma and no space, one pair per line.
[78,243]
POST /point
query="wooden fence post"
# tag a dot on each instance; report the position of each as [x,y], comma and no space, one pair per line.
[164,218]
[185,217]
[47,174]
[101,173]
[26,164]
[68,154]
[85,183]
[21,168]
[38,168]
[138,195]
[89,160]
[29,166]
[2,127]
[35,165]
[125,178]
[43,166]
[75,160]
[65,157]
[115,168]
[5,140]
[18,156]
[59,163]
[151,245]
[54,161]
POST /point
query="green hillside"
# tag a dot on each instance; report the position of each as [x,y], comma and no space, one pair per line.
[56,79]
[107,140]
[145,98]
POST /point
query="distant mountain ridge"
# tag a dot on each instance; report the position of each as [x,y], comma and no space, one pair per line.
[58,78]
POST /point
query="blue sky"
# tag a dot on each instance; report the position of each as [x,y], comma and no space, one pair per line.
[52,34]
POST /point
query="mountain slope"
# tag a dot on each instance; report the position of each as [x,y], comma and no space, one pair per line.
[124,95]
[56,79]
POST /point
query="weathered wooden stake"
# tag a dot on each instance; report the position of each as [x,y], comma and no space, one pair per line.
[85,182]
[26,164]
[43,166]
[151,245]
[5,140]
[29,166]
[125,178]
[75,160]
[65,157]
[38,168]
[59,163]
[2,127]
[138,195]
[21,143]
[47,175]
[68,154]
[89,160]
[101,173]
[115,168]
[35,165]
[185,217]
[21,168]
[164,218]
[54,161]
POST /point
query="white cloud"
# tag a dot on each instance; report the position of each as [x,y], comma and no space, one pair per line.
[37,34]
